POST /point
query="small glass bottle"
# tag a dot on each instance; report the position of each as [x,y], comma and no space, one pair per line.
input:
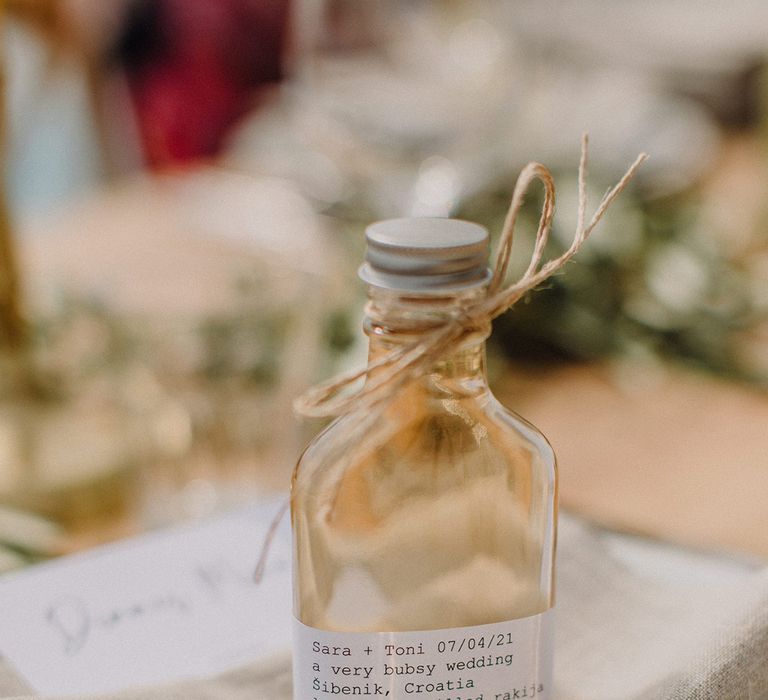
[424,534]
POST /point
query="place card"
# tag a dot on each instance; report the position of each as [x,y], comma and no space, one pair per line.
[166,606]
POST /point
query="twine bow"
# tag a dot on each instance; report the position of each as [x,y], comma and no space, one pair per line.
[404,363]
[400,366]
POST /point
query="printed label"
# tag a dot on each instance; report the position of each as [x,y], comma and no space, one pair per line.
[501,661]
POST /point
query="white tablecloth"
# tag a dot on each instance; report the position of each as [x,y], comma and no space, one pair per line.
[637,620]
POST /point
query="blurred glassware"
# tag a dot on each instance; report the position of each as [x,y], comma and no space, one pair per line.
[436,116]
[194,69]
[72,437]
[225,285]
[57,140]
[450,96]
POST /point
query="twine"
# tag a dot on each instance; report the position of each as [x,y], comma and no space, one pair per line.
[385,376]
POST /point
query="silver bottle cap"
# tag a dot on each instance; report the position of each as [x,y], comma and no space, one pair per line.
[426,255]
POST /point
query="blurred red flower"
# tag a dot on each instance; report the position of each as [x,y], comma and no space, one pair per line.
[195,67]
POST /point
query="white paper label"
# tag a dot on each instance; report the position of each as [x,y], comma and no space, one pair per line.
[163,607]
[501,661]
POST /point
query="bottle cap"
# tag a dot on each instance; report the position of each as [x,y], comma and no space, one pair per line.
[427,255]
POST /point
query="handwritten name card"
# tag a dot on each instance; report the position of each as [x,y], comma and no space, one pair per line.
[167,606]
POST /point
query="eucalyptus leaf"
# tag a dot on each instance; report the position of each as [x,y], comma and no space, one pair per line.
[23,533]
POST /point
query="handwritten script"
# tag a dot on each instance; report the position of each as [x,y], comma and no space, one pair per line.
[164,607]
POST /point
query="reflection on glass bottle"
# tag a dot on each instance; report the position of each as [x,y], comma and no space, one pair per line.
[440,511]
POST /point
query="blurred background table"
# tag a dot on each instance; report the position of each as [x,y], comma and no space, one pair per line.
[187,185]
[674,455]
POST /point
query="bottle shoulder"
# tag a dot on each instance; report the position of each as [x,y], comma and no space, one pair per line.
[446,434]
[521,425]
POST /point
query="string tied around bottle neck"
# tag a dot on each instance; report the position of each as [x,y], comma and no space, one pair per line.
[385,376]
[401,365]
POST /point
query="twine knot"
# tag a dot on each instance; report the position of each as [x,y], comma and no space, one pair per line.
[401,365]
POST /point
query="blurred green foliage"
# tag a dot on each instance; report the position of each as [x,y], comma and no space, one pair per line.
[651,282]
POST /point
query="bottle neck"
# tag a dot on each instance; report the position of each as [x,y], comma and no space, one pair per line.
[393,320]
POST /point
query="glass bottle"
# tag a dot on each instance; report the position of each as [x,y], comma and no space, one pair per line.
[439,511]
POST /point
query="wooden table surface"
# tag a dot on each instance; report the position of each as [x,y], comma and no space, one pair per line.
[669,453]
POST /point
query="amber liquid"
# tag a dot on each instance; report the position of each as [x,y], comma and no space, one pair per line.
[439,513]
